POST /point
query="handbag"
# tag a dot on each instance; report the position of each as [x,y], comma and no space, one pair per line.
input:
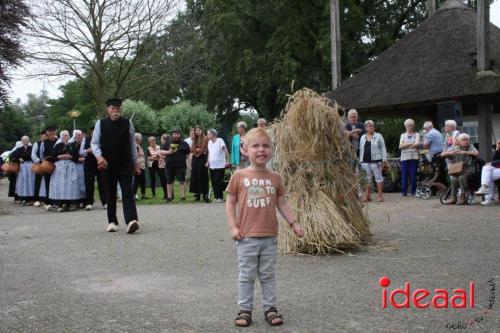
[456,169]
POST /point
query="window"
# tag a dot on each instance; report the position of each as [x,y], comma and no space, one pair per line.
[470,127]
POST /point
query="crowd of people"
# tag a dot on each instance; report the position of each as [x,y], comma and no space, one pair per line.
[203,158]
[453,146]
[195,161]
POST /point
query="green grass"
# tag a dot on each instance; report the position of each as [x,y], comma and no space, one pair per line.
[159,196]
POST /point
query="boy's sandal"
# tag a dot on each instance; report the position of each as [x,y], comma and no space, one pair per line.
[271,315]
[244,315]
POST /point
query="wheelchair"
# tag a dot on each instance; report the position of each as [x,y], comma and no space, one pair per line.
[431,177]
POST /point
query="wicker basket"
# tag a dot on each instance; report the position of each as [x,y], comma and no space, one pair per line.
[11,167]
[47,167]
[36,168]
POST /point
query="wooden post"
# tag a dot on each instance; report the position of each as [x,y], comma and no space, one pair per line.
[335,43]
[484,108]
[483,35]
[484,111]
[431,7]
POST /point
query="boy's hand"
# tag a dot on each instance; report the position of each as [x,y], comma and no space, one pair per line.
[297,230]
[236,233]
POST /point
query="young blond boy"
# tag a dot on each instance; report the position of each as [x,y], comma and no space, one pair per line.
[257,191]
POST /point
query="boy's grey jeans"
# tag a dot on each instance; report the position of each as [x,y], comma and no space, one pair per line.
[257,258]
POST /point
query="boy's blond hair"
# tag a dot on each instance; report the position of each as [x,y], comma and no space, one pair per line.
[257,133]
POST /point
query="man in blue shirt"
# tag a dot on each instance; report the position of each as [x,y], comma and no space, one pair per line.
[433,140]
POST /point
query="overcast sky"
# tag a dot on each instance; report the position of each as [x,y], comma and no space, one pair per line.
[22,86]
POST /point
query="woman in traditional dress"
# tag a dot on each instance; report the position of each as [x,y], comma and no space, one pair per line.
[77,143]
[40,191]
[199,171]
[13,176]
[64,189]
[25,180]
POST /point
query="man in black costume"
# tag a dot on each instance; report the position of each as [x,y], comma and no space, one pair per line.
[113,144]
[46,152]
[91,173]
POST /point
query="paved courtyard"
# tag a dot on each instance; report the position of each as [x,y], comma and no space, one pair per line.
[61,272]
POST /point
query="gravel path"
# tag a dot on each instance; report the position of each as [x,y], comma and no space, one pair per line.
[61,272]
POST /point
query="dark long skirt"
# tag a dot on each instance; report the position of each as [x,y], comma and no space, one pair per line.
[199,175]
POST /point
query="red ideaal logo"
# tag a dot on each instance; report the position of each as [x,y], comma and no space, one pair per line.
[440,299]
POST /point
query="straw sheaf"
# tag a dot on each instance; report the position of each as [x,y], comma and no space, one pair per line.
[316,160]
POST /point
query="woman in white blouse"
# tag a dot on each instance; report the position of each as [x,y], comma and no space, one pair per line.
[408,144]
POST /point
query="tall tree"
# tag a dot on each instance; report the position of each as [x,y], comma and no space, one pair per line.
[13,17]
[80,37]
[75,97]
[178,68]
[255,50]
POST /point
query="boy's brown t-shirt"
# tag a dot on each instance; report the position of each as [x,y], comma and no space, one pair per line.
[256,193]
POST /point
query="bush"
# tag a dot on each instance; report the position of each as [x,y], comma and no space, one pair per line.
[391,129]
[145,118]
[13,125]
[184,115]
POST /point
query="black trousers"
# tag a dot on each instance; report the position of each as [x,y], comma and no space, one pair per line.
[217,179]
[111,179]
[140,180]
[163,178]
[12,185]
[38,184]
[46,200]
[91,173]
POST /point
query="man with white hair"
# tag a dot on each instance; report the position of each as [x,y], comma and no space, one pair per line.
[450,128]
[354,129]
[113,144]
[433,139]
[262,123]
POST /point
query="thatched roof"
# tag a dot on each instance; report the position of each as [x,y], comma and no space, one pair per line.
[435,62]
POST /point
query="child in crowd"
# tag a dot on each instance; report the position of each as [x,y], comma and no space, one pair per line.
[257,191]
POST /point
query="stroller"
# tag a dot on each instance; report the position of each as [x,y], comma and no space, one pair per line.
[473,183]
[431,177]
